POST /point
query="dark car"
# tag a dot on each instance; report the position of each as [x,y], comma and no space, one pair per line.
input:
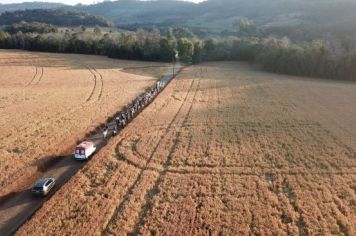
[43,186]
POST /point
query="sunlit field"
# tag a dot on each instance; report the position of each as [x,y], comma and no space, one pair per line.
[225,149]
[50,101]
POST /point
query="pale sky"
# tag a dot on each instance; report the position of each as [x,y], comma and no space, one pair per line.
[70,2]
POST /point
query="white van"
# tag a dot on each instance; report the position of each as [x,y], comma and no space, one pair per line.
[84,150]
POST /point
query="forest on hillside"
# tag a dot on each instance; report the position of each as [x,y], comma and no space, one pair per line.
[29,5]
[309,18]
[298,19]
[57,17]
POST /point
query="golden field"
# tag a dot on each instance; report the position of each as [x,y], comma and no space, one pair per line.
[50,101]
[225,149]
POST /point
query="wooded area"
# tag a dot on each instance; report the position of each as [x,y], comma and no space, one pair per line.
[57,17]
[314,59]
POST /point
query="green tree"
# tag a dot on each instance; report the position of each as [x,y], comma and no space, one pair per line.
[4,37]
[198,51]
[185,49]
[166,50]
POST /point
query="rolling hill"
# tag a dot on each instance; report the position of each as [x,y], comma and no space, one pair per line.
[57,17]
[296,18]
[29,5]
[224,13]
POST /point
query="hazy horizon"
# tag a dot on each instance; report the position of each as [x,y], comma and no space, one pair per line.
[71,2]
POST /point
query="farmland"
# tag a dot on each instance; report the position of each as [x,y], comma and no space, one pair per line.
[225,149]
[50,101]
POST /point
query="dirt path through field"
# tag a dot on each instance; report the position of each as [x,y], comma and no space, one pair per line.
[50,101]
[19,206]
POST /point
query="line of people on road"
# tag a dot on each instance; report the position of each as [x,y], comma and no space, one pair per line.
[124,117]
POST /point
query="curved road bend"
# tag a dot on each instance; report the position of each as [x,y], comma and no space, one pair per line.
[16,210]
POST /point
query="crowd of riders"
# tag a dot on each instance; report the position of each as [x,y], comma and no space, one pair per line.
[124,117]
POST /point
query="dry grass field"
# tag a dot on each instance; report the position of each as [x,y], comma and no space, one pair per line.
[49,101]
[224,150]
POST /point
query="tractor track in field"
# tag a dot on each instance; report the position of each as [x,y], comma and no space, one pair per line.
[121,206]
[39,78]
[146,209]
[64,115]
[94,87]
[100,84]
[129,192]
[33,77]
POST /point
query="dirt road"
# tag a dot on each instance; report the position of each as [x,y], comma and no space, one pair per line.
[17,207]
[50,101]
[225,149]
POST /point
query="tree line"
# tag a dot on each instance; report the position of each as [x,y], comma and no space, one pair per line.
[34,27]
[279,55]
[139,45]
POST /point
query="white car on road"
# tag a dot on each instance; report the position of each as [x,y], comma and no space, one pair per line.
[84,150]
[43,186]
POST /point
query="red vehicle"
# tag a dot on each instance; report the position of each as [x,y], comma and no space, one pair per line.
[84,150]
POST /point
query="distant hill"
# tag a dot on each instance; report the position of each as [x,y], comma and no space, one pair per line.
[224,14]
[154,13]
[298,18]
[29,5]
[58,17]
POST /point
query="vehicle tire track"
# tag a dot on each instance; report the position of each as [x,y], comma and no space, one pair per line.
[94,87]
[33,78]
[101,83]
[146,209]
[137,153]
[98,84]
[40,78]
[129,192]
[61,115]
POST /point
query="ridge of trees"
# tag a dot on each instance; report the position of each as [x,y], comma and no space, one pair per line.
[30,5]
[59,17]
[34,27]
